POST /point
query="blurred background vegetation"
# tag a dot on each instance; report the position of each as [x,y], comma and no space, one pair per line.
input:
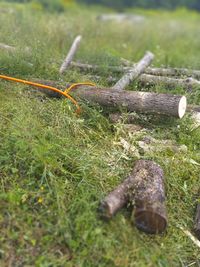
[120,5]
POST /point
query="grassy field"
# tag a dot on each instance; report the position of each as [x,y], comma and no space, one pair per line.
[55,167]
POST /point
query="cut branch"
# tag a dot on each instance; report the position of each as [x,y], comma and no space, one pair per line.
[71,54]
[177,72]
[135,72]
[144,188]
[189,83]
[166,104]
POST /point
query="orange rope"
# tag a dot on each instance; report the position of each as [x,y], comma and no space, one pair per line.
[42,86]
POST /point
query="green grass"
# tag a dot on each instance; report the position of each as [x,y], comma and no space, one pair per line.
[55,167]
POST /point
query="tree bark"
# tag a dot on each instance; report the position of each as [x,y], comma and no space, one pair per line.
[166,104]
[71,54]
[145,189]
[134,72]
[197,222]
[188,83]
[177,72]
[152,80]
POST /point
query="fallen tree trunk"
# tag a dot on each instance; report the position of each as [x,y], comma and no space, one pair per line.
[197,222]
[134,72]
[145,189]
[166,104]
[177,72]
[71,54]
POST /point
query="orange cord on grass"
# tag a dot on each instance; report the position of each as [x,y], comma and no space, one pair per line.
[42,86]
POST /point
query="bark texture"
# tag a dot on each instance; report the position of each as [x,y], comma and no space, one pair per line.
[188,83]
[145,189]
[71,54]
[166,104]
[177,72]
[149,197]
[171,105]
[134,72]
[197,222]
[116,200]
[152,80]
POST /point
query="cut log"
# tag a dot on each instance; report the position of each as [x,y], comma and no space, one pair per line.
[134,72]
[197,222]
[144,102]
[166,104]
[188,83]
[177,72]
[151,80]
[149,197]
[145,189]
[71,54]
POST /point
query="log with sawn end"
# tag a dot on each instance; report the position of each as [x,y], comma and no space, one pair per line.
[144,102]
[145,189]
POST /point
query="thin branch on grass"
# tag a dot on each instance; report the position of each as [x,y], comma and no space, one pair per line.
[176,72]
[71,54]
[152,80]
[188,83]
[134,72]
